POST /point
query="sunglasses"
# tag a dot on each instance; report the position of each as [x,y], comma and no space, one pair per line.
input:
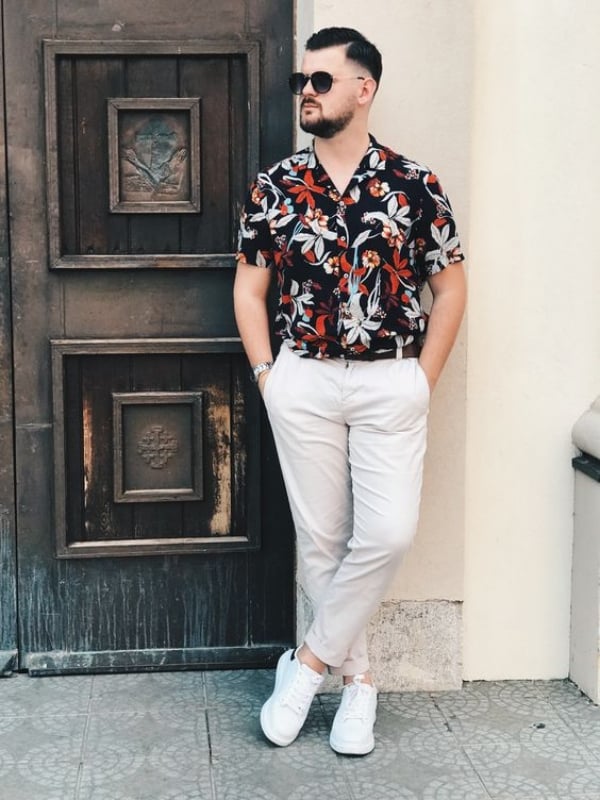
[321,81]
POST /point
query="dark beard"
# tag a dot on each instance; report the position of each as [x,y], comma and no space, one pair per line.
[327,128]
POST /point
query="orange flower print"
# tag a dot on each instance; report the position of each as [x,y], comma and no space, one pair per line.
[393,241]
[378,188]
[370,259]
[304,192]
[315,216]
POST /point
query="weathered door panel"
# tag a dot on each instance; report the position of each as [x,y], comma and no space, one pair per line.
[152,524]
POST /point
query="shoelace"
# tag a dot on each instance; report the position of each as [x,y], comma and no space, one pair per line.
[300,692]
[358,695]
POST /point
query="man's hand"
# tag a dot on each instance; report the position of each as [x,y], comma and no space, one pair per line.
[262,379]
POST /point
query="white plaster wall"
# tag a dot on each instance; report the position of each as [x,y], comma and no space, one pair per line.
[534,324]
[422,110]
[500,98]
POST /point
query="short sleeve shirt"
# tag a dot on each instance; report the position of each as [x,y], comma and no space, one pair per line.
[349,267]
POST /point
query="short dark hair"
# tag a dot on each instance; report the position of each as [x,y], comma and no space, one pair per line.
[358,47]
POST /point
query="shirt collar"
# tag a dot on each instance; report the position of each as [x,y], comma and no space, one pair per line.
[372,160]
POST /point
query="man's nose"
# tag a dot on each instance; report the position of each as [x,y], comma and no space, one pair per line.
[309,89]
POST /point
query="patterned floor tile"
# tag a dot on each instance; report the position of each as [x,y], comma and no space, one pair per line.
[514,786]
[455,786]
[182,791]
[310,753]
[244,791]
[239,752]
[581,784]
[196,736]
[145,730]
[539,779]
[160,694]
[557,743]
[470,701]
[293,789]
[530,697]
[150,785]
[412,706]
[584,721]
[28,739]
[58,784]
[137,763]
[431,747]
[490,747]
[337,789]
[279,772]
[413,779]
[233,686]
[378,788]
[21,695]
[236,714]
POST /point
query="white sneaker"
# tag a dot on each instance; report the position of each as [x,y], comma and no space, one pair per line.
[352,729]
[284,713]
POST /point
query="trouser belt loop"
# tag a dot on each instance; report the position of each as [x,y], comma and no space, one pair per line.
[408,351]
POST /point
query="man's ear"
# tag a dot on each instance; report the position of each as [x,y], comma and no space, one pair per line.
[367,91]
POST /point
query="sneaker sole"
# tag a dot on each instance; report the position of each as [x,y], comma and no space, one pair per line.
[353,749]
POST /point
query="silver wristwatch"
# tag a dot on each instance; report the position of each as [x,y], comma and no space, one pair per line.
[258,369]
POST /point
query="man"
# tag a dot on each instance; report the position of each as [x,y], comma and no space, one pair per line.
[351,231]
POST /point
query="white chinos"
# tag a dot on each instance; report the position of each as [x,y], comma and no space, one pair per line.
[351,436]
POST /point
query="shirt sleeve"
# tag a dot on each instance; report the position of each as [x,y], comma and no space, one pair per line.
[437,242]
[255,242]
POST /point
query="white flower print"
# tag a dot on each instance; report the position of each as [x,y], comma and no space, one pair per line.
[446,245]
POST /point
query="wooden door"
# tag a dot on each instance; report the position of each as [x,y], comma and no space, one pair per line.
[152,529]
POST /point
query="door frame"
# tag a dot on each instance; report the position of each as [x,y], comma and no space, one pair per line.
[8,558]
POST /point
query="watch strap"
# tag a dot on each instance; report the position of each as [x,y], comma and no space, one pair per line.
[258,369]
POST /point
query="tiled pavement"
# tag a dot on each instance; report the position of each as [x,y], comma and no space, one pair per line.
[195,736]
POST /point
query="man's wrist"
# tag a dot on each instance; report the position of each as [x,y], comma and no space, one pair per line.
[261,368]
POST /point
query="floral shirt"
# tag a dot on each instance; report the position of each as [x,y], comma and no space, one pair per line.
[349,268]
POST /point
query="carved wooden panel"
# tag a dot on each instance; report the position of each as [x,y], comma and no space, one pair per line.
[156,447]
[154,155]
[126,142]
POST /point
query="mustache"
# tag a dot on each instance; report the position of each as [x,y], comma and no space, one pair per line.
[309,103]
